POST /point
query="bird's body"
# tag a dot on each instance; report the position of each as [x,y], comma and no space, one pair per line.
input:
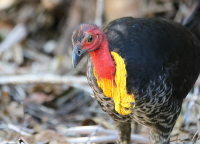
[162,64]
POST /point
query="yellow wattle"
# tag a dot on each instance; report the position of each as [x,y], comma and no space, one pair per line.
[124,103]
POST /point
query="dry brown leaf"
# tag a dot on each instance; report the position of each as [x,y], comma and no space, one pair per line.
[5,98]
[49,135]
[39,97]
[6,136]
[15,110]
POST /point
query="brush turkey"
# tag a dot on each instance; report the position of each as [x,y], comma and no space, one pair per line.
[141,69]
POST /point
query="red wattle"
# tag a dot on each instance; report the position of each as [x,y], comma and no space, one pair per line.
[103,62]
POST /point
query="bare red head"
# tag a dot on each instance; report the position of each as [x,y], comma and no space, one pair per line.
[86,38]
[90,38]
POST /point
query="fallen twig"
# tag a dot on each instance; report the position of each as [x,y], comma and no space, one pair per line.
[90,129]
[15,128]
[42,78]
[99,12]
[18,33]
[112,135]
[109,138]
[75,81]
[93,133]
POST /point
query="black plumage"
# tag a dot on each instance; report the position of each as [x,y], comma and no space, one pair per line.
[162,63]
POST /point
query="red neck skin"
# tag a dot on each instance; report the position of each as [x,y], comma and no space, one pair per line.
[103,62]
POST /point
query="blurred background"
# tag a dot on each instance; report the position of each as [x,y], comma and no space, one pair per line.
[43,99]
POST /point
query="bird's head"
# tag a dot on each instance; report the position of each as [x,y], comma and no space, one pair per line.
[86,38]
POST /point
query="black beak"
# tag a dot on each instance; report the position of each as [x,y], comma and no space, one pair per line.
[78,54]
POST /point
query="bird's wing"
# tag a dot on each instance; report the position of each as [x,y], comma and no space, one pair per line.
[155,51]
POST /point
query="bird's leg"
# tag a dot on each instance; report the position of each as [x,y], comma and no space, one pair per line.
[167,116]
[124,130]
[158,138]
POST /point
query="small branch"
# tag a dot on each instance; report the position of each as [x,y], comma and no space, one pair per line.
[90,129]
[103,139]
[18,33]
[94,139]
[93,133]
[112,135]
[13,127]
[99,12]
[75,81]
[42,78]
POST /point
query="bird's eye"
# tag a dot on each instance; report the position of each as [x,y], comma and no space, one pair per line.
[79,52]
[90,39]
